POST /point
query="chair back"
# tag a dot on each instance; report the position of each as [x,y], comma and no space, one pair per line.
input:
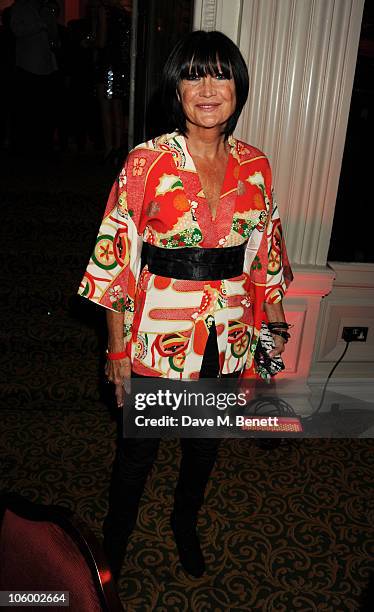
[47,548]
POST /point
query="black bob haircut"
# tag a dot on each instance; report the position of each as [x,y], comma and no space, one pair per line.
[203,53]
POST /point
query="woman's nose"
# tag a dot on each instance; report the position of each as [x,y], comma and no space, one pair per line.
[207,86]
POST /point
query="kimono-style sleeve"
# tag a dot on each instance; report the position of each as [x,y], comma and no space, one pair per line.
[266,262]
[266,258]
[278,271]
[112,273]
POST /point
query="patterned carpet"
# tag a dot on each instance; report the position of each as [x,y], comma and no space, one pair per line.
[285,530]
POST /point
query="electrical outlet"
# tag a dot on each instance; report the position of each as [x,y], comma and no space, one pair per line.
[355,334]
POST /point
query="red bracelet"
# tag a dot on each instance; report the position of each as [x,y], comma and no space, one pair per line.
[116,356]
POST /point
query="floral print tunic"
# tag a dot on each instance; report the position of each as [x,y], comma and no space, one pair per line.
[158,199]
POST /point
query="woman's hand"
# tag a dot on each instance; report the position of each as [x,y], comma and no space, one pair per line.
[279,346]
[118,372]
[275,312]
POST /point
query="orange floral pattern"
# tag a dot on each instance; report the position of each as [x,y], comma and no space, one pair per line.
[139,163]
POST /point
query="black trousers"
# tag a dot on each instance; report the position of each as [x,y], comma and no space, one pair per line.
[133,462]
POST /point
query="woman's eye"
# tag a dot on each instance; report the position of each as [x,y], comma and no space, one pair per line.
[192,77]
[220,76]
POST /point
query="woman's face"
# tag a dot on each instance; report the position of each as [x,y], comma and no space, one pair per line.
[207,101]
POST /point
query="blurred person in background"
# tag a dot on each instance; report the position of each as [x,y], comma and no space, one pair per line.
[34,26]
[82,105]
[112,32]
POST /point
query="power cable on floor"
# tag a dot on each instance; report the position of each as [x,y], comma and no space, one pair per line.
[347,343]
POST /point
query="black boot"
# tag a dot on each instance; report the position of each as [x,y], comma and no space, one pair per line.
[188,545]
[198,457]
[133,461]
[115,545]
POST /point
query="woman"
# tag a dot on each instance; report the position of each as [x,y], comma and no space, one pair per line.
[202,200]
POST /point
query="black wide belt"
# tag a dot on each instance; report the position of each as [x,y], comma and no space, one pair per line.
[192,263]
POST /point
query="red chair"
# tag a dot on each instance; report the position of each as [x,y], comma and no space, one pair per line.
[48,548]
